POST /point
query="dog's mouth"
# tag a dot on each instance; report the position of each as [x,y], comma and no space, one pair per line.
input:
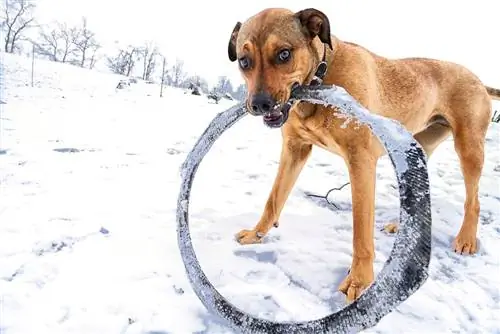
[278,116]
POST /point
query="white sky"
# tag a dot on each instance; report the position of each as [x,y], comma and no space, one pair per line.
[197,31]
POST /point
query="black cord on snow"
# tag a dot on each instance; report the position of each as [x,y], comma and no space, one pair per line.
[328,194]
[405,269]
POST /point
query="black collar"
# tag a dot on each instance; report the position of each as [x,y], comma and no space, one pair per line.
[317,80]
[320,73]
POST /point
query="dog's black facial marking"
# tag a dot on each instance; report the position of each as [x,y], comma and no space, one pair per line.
[262,104]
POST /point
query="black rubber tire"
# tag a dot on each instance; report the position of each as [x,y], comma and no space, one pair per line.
[404,271]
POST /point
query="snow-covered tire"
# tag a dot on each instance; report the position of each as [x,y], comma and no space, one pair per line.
[405,269]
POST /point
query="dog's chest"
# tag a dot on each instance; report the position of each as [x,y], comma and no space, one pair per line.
[322,132]
[331,131]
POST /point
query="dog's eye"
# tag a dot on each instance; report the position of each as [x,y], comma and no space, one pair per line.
[284,55]
[244,63]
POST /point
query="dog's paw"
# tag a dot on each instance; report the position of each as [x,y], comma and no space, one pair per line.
[246,237]
[359,278]
[465,243]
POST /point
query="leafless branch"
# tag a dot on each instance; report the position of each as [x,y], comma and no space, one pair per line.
[178,74]
[149,53]
[69,37]
[48,45]
[86,42]
[124,62]
[17,17]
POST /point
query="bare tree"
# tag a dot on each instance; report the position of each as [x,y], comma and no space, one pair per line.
[86,43]
[149,53]
[17,17]
[131,57]
[165,75]
[58,44]
[200,82]
[48,44]
[69,38]
[224,85]
[94,57]
[123,63]
[196,84]
[117,64]
[241,93]
[177,73]
[163,70]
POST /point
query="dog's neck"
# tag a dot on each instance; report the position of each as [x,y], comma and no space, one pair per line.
[321,69]
[326,55]
[324,62]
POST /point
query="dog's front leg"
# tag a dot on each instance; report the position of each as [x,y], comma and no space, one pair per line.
[362,173]
[294,154]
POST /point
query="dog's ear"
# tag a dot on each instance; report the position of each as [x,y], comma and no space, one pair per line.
[231,48]
[316,23]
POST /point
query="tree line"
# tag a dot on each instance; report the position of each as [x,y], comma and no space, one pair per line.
[79,45]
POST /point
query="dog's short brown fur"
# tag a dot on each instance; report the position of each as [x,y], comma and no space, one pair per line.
[432,99]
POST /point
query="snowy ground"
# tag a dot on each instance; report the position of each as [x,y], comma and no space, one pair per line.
[89,182]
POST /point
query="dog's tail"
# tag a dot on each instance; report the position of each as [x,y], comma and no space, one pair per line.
[494,93]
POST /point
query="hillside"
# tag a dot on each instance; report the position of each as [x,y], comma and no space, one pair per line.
[89,183]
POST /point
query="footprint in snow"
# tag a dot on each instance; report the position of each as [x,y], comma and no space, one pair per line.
[178,290]
[173,151]
[259,256]
[55,246]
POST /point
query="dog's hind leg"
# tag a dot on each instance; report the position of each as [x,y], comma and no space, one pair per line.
[429,139]
[469,134]
[470,149]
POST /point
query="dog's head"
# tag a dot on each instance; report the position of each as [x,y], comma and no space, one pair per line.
[275,51]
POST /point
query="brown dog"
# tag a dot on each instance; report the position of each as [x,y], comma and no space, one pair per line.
[277,49]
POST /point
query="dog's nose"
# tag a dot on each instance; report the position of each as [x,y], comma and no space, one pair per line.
[262,103]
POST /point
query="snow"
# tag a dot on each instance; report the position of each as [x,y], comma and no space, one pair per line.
[89,183]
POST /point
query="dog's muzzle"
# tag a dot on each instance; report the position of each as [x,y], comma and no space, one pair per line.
[274,114]
[278,116]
